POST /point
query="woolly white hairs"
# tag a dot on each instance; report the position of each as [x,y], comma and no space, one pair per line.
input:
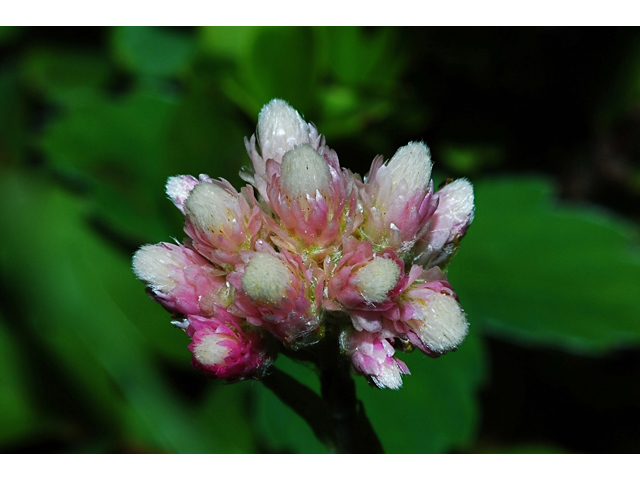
[376,279]
[411,163]
[266,278]
[304,171]
[206,207]
[153,264]
[209,352]
[443,324]
[280,128]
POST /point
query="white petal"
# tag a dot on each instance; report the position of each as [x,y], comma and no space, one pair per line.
[456,202]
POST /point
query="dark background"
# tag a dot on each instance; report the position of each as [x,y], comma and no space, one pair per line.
[544,121]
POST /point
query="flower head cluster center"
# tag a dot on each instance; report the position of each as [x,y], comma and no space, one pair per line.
[306,243]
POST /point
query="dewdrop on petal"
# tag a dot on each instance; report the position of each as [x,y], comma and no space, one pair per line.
[304,171]
[266,278]
[377,278]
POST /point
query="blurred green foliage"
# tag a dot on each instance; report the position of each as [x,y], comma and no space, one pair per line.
[89,132]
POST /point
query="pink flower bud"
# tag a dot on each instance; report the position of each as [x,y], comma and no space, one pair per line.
[222,350]
[373,356]
[220,221]
[280,129]
[266,279]
[278,292]
[397,199]
[434,316]
[362,279]
[314,199]
[179,187]
[448,225]
[180,279]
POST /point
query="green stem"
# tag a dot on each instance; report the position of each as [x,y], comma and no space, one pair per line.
[338,418]
[352,431]
[302,400]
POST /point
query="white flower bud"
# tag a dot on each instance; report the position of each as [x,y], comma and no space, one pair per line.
[178,189]
[442,324]
[207,208]
[209,352]
[280,128]
[411,163]
[266,278]
[389,377]
[377,278]
[456,202]
[154,265]
[304,171]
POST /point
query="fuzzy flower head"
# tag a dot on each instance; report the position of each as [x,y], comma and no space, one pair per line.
[308,252]
[220,221]
[278,292]
[222,349]
[373,356]
[398,198]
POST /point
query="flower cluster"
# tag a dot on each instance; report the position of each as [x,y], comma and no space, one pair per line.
[308,246]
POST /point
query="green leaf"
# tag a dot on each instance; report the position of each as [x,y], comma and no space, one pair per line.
[17,415]
[13,115]
[205,136]
[278,426]
[224,411]
[537,272]
[153,51]
[65,75]
[64,267]
[356,57]
[117,150]
[436,410]
[233,43]
[281,64]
